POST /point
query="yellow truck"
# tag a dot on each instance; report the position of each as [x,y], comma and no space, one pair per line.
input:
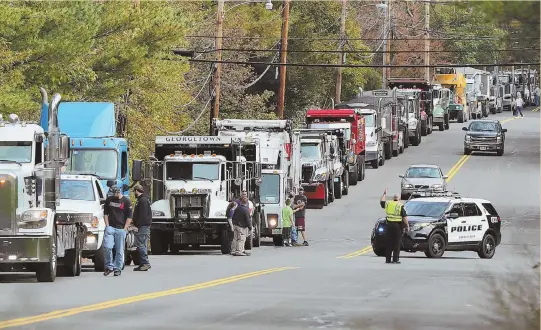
[456,83]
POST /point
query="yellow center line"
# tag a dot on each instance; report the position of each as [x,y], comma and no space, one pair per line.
[134,299]
[457,167]
[356,253]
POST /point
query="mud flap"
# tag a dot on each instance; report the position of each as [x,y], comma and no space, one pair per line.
[315,194]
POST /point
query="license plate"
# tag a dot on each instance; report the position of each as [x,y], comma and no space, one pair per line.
[276,231]
[482,148]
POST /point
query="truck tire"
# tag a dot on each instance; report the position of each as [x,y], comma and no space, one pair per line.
[460,118]
[382,159]
[441,126]
[493,110]
[446,121]
[416,140]
[362,169]
[406,138]
[257,230]
[354,176]
[467,151]
[339,188]
[331,197]
[225,241]
[326,196]
[46,272]
[346,184]
[423,128]
[99,260]
[374,163]
[72,262]
[388,150]
[430,127]
[157,243]
[396,152]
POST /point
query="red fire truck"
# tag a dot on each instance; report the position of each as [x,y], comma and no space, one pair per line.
[353,124]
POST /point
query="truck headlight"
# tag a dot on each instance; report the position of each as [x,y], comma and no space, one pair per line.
[272,220]
[467,138]
[498,139]
[158,214]
[33,219]
[91,239]
[321,177]
[351,159]
[95,222]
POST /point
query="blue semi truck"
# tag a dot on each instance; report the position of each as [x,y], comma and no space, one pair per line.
[95,147]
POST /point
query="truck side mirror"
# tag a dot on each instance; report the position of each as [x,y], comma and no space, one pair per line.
[110,183]
[137,170]
[504,130]
[64,147]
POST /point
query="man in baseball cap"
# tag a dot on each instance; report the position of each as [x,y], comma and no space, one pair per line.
[117,212]
[142,219]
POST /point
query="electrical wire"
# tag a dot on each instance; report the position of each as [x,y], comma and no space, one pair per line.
[257,79]
[377,51]
[362,39]
[190,126]
[198,93]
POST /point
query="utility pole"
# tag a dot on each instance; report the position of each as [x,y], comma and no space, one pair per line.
[215,111]
[342,55]
[385,6]
[283,59]
[388,42]
[427,41]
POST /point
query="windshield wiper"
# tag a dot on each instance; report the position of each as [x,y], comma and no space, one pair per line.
[198,177]
[173,178]
[10,161]
[418,215]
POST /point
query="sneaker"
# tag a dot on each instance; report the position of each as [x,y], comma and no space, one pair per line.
[142,268]
[396,262]
[245,254]
[117,273]
[305,243]
[107,272]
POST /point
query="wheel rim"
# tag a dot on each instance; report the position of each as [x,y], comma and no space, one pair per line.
[489,245]
[437,246]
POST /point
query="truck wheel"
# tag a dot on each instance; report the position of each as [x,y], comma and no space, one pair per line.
[99,260]
[430,128]
[499,152]
[46,272]
[423,128]
[396,152]
[354,176]
[374,163]
[278,240]
[382,159]
[493,110]
[157,243]
[406,138]
[326,196]
[416,140]
[440,126]
[362,170]
[257,230]
[346,184]
[446,121]
[338,188]
[467,151]
[488,247]
[330,193]
[388,150]
[474,116]
[225,241]
[460,118]
[436,246]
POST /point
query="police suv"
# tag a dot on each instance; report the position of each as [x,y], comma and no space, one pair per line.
[444,221]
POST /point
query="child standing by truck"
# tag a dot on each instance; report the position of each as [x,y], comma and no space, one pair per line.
[287,222]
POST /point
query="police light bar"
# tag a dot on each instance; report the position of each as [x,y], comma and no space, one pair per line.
[433,193]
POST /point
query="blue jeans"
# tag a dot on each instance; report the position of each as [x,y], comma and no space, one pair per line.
[519,110]
[114,238]
[537,100]
[141,241]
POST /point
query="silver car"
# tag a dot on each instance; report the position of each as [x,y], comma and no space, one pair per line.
[422,176]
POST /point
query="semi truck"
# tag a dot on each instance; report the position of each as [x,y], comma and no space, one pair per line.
[192,181]
[379,108]
[36,236]
[410,97]
[425,98]
[354,126]
[440,99]
[96,148]
[318,159]
[279,150]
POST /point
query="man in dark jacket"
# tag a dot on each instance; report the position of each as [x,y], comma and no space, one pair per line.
[242,226]
[117,212]
[142,219]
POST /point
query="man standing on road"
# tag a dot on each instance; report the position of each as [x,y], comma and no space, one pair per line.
[142,219]
[117,212]
[396,215]
[300,222]
[520,103]
[537,92]
[242,227]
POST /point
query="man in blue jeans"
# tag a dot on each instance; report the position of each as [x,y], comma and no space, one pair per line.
[117,212]
[142,219]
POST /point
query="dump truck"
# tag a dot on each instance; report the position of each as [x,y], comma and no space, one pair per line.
[456,83]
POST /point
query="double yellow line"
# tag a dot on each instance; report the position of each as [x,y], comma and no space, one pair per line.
[457,167]
[134,299]
[356,253]
[536,109]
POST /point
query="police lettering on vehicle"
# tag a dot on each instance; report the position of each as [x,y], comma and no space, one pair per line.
[460,229]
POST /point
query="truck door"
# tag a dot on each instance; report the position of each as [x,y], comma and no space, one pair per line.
[124,170]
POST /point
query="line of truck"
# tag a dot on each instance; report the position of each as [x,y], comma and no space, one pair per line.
[56,174]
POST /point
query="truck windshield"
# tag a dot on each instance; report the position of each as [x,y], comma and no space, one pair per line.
[469,87]
[310,150]
[17,151]
[411,108]
[80,190]
[369,120]
[102,163]
[192,171]
[270,188]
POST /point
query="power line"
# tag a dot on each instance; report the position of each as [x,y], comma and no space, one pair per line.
[325,65]
[364,39]
[372,51]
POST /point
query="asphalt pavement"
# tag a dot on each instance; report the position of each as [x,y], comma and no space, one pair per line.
[336,282]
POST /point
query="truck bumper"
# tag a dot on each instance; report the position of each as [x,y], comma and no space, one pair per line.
[202,232]
[437,120]
[483,146]
[315,192]
[370,156]
[412,132]
[24,249]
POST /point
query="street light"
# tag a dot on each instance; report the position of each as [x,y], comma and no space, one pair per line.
[268,5]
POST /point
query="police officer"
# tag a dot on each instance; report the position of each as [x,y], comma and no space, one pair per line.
[396,218]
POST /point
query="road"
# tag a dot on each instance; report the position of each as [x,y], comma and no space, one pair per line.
[316,286]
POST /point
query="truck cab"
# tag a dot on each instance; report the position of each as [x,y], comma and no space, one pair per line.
[193,179]
[95,147]
[410,97]
[441,106]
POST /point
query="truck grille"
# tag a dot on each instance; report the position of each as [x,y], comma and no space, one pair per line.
[194,204]
[8,204]
[484,139]
[307,173]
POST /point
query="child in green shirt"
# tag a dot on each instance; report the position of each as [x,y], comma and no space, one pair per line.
[287,222]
